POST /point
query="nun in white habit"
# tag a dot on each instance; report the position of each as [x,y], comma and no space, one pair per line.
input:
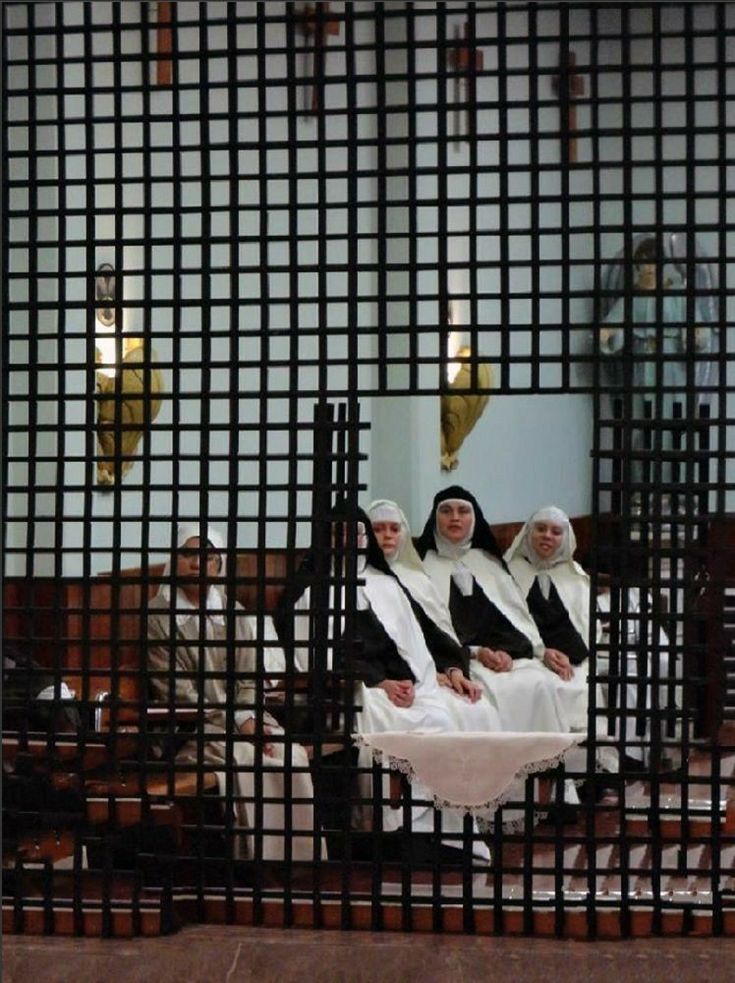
[396,680]
[464,697]
[195,657]
[557,592]
[489,614]
[397,686]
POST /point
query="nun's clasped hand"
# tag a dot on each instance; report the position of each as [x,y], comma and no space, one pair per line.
[495,659]
[456,680]
[558,663]
[400,692]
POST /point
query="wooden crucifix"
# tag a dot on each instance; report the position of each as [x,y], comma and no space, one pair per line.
[574,85]
[164,44]
[317,20]
[467,61]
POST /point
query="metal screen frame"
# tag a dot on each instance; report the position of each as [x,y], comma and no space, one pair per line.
[292,219]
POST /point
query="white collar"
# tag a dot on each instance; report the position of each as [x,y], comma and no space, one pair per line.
[449,550]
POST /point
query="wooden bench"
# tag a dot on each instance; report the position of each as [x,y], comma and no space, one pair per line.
[92,635]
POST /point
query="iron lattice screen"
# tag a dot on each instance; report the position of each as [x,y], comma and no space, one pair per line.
[259,234]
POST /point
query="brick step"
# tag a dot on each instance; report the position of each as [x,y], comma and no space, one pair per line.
[152,796]
[613,870]
[118,801]
[485,916]
[684,889]
[62,749]
[96,754]
[674,875]
[161,783]
[127,799]
[637,873]
[53,839]
[685,807]
[44,901]
[675,823]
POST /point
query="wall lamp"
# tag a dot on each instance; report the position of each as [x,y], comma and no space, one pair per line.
[461,407]
[128,393]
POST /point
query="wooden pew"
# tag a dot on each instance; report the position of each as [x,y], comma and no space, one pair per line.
[92,635]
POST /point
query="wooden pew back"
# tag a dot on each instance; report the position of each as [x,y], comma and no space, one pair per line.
[94,632]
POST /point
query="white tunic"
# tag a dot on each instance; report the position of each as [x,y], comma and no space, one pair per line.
[383,594]
[572,584]
[434,709]
[525,696]
[573,587]
[393,610]
[231,754]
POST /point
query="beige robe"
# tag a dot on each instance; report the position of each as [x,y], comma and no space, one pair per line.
[285,775]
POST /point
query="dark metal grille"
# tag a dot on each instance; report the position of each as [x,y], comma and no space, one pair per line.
[306,211]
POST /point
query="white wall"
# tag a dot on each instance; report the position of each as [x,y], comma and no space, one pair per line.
[190,472]
[31,331]
[499,460]
[526,450]
[529,450]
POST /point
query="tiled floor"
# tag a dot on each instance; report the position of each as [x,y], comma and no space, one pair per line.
[214,953]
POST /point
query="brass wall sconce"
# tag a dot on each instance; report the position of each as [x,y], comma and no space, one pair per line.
[128,396]
[460,411]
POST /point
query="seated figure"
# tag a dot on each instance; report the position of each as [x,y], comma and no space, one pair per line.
[386,654]
[198,657]
[469,706]
[557,592]
[489,614]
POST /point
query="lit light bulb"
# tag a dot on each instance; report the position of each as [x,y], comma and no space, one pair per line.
[106,352]
[454,344]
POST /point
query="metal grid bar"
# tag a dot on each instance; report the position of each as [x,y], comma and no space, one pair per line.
[274,272]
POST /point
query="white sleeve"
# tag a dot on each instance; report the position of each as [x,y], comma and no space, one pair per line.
[274,658]
[301,630]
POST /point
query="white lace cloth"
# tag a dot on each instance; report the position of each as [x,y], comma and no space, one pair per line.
[470,771]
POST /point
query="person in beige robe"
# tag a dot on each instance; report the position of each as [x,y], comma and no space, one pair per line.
[189,647]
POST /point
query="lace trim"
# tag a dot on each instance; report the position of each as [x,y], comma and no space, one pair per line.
[404,766]
[487,826]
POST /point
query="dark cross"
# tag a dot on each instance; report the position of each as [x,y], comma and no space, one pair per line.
[163,43]
[467,61]
[316,20]
[574,87]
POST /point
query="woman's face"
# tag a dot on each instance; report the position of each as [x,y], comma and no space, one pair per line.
[546,538]
[189,559]
[454,520]
[388,535]
[341,540]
